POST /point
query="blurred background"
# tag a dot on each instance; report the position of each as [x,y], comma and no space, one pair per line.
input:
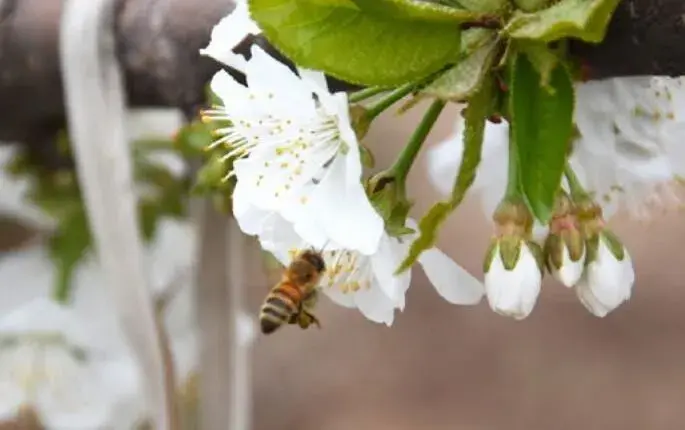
[465,368]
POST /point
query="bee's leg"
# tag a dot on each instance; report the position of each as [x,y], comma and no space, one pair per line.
[311,319]
[294,319]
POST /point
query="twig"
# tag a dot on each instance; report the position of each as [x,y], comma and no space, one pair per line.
[96,112]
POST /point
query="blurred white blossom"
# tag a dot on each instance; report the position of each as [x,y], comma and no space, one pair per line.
[629,150]
[48,364]
[72,363]
[297,154]
[368,282]
[491,176]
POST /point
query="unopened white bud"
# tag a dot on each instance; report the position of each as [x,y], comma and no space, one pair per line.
[608,278]
[513,291]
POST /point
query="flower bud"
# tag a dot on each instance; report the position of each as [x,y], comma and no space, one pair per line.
[609,275]
[565,245]
[513,264]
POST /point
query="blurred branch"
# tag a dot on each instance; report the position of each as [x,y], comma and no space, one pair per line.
[95,102]
[224,379]
[158,42]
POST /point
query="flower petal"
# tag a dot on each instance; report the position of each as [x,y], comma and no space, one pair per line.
[76,396]
[268,77]
[45,315]
[228,33]
[375,305]
[250,218]
[384,263]
[450,280]
[513,292]
[345,212]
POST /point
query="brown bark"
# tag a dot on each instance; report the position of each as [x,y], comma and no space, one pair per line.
[159,40]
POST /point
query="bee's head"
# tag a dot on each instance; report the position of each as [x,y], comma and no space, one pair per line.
[315,259]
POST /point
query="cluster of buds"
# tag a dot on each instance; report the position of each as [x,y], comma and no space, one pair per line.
[579,251]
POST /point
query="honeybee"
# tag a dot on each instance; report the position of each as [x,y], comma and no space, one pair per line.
[292,299]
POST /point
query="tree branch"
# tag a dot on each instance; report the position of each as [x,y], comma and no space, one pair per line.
[158,43]
[645,37]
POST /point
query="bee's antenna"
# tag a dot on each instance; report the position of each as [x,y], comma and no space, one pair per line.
[324,246]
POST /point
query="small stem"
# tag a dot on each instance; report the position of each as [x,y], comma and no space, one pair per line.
[395,95]
[406,158]
[513,190]
[577,190]
[366,93]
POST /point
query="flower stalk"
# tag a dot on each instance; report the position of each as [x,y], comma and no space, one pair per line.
[366,93]
[390,99]
[577,190]
[513,190]
[402,165]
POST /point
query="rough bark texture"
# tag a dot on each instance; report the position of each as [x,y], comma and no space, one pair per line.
[645,37]
[158,45]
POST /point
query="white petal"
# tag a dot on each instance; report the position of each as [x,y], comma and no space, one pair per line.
[450,280]
[45,315]
[123,379]
[345,212]
[227,88]
[588,299]
[284,89]
[228,33]
[74,395]
[279,237]
[375,305]
[13,360]
[384,263]
[314,78]
[607,277]
[570,271]
[513,292]
[250,219]
[340,298]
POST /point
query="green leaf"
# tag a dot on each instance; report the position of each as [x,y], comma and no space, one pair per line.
[67,247]
[531,5]
[463,80]
[491,6]
[581,19]
[417,10]
[541,126]
[354,45]
[543,59]
[475,116]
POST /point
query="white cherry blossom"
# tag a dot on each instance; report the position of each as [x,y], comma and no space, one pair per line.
[629,152]
[630,149]
[228,33]
[297,153]
[49,363]
[66,389]
[367,282]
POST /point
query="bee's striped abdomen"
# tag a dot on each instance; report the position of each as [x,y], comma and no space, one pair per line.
[280,305]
